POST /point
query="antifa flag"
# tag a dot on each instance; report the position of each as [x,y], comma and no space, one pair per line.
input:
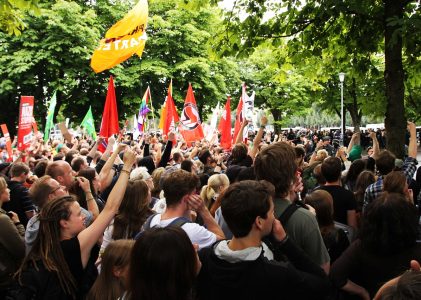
[190,124]
[123,39]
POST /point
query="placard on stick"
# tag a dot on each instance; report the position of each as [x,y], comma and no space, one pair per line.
[65,132]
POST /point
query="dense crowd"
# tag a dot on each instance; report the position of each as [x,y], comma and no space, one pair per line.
[295,215]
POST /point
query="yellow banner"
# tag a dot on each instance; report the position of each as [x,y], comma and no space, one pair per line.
[125,38]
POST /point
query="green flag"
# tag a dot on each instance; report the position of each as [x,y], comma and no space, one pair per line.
[88,123]
[50,115]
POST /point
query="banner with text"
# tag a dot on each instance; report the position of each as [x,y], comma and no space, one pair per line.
[8,142]
[125,38]
[26,110]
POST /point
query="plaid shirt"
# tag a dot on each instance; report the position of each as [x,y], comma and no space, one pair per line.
[374,190]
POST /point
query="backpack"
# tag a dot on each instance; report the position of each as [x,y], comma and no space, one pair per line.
[283,218]
[309,181]
[289,211]
[349,231]
[178,222]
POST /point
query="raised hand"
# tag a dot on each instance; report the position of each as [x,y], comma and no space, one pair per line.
[84,184]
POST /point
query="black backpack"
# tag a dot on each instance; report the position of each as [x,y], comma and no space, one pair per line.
[283,218]
[289,211]
[178,222]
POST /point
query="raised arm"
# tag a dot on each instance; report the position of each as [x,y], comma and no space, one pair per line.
[105,155]
[89,236]
[107,171]
[258,138]
[355,139]
[239,137]
[90,201]
[412,147]
[93,150]
[197,203]
[167,152]
[376,147]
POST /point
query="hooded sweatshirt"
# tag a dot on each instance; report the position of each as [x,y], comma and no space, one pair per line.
[252,274]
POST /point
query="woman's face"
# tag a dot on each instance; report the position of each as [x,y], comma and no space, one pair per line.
[5,196]
[76,222]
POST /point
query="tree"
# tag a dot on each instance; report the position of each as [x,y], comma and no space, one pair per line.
[12,14]
[363,27]
[52,54]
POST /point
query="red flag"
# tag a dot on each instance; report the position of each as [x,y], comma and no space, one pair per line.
[190,123]
[8,142]
[171,113]
[225,126]
[25,122]
[109,123]
[238,118]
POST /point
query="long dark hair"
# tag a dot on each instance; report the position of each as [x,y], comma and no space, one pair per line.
[107,286]
[133,211]
[355,169]
[389,224]
[47,248]
[322,202]
[163,265]
[363,181]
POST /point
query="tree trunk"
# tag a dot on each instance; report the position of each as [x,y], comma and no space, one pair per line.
[276,113]
[395,121]
[353,108]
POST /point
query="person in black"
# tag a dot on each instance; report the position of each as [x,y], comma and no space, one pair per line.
[244,267]
[20,202]
[61,263]
[344,203]
[335,239]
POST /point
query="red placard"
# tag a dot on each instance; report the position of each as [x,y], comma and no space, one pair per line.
[8,142]
[26,109]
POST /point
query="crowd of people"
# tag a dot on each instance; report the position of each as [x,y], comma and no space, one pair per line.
[295,215]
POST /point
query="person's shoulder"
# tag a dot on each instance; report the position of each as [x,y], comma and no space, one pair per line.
[191,226]
[303,215]
[4,218]
[410,160]
[375,185]
[70,244]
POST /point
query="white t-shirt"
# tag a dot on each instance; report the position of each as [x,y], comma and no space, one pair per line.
[197,233]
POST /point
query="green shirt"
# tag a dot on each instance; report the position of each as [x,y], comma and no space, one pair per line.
[303,229]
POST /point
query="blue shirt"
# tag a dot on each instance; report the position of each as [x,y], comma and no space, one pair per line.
[374,190]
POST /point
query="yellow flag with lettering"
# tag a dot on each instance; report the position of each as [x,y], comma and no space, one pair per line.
[125,38]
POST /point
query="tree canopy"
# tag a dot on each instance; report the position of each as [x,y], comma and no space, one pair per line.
[290,52]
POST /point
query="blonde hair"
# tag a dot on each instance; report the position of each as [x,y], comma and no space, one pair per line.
[214,183]
[3,185]
[322,155]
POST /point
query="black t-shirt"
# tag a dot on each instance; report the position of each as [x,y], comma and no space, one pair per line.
[39,283]
[20,202]
[343,200]
[85,278]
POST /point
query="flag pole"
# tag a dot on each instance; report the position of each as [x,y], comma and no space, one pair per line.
[153,110]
